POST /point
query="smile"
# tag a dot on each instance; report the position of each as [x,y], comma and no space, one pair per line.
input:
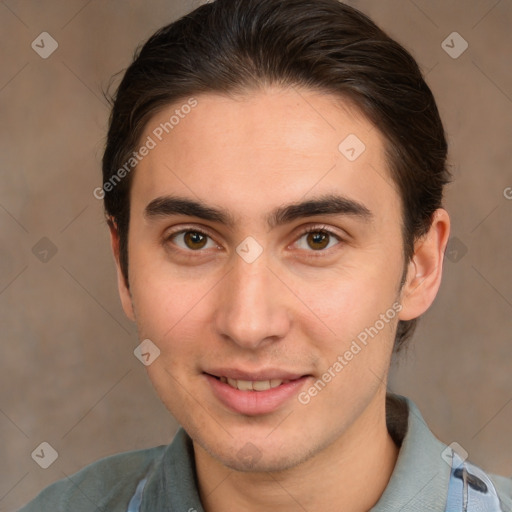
[253,385]
[261,394]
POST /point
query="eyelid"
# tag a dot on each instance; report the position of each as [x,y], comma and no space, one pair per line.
[319,227]
[195,228]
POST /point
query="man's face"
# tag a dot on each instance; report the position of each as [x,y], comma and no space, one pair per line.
[216,307]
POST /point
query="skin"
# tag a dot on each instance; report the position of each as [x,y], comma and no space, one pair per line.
[295,307]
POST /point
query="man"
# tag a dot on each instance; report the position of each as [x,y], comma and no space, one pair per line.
[273,181]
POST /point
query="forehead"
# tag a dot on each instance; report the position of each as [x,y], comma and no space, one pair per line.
[261,149]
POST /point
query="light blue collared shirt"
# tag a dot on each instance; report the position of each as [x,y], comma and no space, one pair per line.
[428,477]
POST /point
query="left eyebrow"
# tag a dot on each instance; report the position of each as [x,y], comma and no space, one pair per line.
[329,204]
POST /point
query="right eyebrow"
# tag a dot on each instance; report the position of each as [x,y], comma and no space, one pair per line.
[170,205]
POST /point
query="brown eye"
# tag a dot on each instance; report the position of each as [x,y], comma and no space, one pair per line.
[194,239]
[317,240]
[191,240]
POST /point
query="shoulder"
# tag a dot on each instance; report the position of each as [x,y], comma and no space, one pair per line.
[503,487]
[107,484]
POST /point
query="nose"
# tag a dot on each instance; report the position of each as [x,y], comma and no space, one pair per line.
[252,308]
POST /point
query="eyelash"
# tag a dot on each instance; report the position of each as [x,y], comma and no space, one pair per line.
[306,231]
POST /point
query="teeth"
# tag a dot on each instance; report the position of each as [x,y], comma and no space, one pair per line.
[242,385]
[261,385]
[232,383]
[253,385]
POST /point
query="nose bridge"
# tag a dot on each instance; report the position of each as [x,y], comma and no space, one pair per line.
[251,306]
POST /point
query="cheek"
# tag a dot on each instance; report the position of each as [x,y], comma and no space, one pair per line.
[353,335]
[348,325]
[349,302]
[169,312]
[164,295]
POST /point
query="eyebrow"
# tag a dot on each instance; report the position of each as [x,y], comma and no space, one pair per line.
[329,204]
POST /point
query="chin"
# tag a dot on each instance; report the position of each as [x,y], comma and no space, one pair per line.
[244,454]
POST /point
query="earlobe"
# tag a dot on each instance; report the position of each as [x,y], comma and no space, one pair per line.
[425,269]
[124,292]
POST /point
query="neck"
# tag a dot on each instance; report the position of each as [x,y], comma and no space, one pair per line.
[350,474]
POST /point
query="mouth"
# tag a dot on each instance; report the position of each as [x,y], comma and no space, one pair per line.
[257,393]
[252,385]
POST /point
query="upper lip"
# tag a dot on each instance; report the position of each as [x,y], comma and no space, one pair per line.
[265,374]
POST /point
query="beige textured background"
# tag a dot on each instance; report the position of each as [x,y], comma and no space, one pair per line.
[68,375]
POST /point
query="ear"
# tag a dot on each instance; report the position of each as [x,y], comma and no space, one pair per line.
[124,291]
[425,269]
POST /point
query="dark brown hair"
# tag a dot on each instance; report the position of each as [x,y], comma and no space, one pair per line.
[232,46]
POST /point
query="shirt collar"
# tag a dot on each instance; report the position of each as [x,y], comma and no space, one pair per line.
[421,476]
[419,480]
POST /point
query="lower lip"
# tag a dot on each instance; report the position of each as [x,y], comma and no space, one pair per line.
[253,403]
